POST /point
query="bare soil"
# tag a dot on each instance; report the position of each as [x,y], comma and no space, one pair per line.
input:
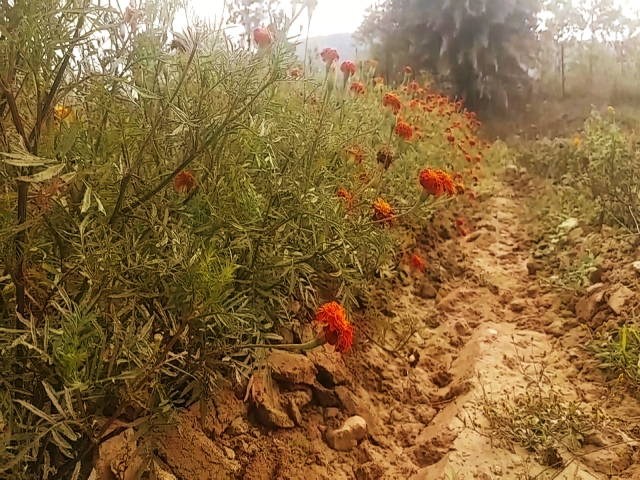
[483,331]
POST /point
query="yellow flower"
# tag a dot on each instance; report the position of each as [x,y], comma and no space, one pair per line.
[611,109]
[61,112]
[576,141]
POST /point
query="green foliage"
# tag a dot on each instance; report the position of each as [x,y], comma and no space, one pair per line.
[123,298]
[619,353]
[598,169]
[481,49]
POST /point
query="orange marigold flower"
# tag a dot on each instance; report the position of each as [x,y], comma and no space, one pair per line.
[329,55]
[348,68]
[404,130]
[344,194]
[61,112]
[358,88]
[355,153]
[382,211]
[413,86]
[464,232]
[296,73]
[337,329]
[414,104]
[262,36]
[478,158]
[417,262]
[472,196]
[451,139]
[378,81]
[467,158]
[431,181]
[472,142]
[460,221]
[392,100]
[408,70]
[447,183]
[184,182]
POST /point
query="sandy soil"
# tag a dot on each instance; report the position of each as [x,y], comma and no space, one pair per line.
[483,330]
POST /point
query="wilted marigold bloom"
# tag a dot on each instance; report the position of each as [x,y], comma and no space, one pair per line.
[392,100]
[372,64]
[355,153]
[382,211]
[337,329]
[348,68]
[417,262]
[262,36]
[184,182]
[358,88]
[404,130]
[329,55]
[385,156]
[343,193]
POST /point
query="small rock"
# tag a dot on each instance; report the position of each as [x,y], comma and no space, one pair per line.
[331,368]
[302,398]
[561,326]
[518,305]
[532,266]
[636,266]
[587,307]
[426,291]
[231,455]
[331,412]
[474,236]
[620,298]
[349,403]
[396,416]
[267,405]
[576,235]
[292,367]
[238,427]
[294,412]
[569,224]
[348,436]
[369,471]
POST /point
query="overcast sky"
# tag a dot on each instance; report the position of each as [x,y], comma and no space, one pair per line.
[331,16]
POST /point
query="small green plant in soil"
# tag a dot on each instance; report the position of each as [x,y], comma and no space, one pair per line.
[619,353]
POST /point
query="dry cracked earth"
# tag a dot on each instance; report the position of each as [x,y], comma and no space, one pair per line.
[483,336]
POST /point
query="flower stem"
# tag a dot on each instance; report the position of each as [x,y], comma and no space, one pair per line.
[316,342]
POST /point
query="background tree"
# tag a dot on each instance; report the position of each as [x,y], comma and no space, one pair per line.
[480,50]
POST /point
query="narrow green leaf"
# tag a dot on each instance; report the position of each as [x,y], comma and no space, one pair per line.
[53,397]
[36,411]
[86,201]
[43,176]
[25,160]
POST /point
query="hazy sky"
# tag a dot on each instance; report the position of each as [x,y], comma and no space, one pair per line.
[331,16]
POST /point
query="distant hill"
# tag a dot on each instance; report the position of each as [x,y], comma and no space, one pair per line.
[343,42]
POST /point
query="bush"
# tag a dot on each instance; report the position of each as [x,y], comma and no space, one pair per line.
[177,200]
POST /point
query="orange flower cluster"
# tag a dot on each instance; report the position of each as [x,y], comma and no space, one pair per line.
[184,182]
[348,68]
[337,329]
[392,100]
[358,88]
[329,55]
[262,36]
[344,194]
[404,130]
[383,212]
[437,182]
[355,153]
[417,262]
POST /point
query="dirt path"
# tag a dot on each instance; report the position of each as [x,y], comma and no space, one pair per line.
[484,334]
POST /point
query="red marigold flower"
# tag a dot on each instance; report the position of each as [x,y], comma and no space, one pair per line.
[417,262]
[408,70]
[262,36]
[329,55]
[451,138]
[392,100]
[472,196]
[472,142]
[467,158]
[464,232]
[337,329]
[478,158]
[348,68]
[460,221]
[184,182]
[358,88]
[355,153]
[404,130]
[382,211]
